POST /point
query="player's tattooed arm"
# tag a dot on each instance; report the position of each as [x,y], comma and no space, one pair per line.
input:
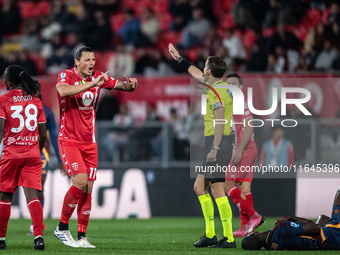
[129,84]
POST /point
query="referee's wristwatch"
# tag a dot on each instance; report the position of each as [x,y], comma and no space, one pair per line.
[214,147]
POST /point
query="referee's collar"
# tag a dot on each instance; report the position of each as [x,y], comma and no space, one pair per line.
[217,82]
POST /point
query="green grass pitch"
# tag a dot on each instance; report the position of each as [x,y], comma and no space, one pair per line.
[133,236]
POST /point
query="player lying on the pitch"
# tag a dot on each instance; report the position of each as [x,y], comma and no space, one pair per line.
[294,233]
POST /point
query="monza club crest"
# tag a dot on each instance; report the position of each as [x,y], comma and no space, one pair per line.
[87,98]
[75,166]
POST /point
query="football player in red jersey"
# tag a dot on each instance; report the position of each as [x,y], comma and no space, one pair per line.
[238,183]
[78,92]
[22,126]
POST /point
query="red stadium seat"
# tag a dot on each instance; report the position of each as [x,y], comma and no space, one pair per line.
[325,15]
[193,54]
[226,5]
[301,32]
[44,8]
[99,65]
[239,34]
[169,37]
[105,60]
[161,6]
[249,38]
[228,21]
[117,20]
[28,10]
[313,17]
[216,6]
[129,4]
[268,32]
[164,21]
[40,63]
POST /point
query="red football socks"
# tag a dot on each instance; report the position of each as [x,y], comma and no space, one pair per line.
[243,204]
[71,200]
[36,212]
[5,209]
[249,198]
[84,210]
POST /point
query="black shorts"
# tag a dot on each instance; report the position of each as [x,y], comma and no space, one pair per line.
[223,158]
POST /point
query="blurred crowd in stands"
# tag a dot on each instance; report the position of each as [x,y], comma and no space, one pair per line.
[131,36]
[131,139]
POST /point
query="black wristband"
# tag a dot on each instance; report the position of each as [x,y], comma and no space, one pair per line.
[185,64]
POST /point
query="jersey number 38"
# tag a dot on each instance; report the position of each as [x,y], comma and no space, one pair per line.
[31,112]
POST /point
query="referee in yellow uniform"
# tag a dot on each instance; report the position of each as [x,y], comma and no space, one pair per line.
[217,151]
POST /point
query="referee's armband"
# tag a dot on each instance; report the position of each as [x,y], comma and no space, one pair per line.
[185,64]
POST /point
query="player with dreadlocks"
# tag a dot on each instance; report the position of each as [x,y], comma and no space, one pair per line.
[22,126]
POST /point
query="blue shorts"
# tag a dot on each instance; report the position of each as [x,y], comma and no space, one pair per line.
[45,159]
[331,231]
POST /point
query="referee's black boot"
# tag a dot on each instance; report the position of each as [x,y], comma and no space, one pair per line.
[205,241]
[223,243]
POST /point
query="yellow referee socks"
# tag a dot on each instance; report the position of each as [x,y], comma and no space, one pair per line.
[226,216]
[208,213]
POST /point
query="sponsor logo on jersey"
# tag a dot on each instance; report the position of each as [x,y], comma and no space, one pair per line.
[63,75]
[10,140]
[87,98]
[75,166]
[295,225]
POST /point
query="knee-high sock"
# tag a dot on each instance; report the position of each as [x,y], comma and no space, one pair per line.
[243,217]
[36,212]
[243,204]
[5,213]
[71,200]
[249,198]
[208,213]
[226,216]
[84,210]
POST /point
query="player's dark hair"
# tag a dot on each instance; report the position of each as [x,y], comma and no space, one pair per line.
[251,243]
[217,66]
[17,75]
[80,51]
[240,80]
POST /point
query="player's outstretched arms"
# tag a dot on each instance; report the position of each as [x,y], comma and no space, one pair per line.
[193,70]
[42,135]
[128,85]
[66,90]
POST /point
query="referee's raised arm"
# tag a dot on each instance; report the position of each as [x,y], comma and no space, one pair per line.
[193,70]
